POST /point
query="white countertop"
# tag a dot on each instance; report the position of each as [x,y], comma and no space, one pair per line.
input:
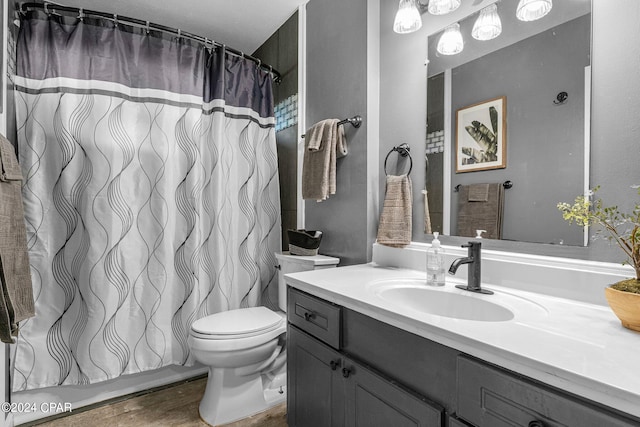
[578,347]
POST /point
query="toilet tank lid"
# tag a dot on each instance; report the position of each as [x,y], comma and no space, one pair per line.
[311,260]
[237,322]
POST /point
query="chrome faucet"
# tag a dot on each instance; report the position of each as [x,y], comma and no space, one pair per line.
[474,261]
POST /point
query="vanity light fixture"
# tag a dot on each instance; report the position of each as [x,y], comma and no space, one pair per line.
[530,10]
[408,17]
[488,25]
[442,7]
[451,41]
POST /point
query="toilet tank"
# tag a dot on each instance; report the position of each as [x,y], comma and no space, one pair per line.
[294,264]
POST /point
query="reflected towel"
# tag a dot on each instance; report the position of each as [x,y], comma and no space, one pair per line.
[480,207]
[394,228]
[478,193]
[324,143]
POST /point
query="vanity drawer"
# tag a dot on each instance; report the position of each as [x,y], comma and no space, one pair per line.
[492,397]
[317,317]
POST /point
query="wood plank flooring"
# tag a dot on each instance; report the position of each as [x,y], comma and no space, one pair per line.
[176,405]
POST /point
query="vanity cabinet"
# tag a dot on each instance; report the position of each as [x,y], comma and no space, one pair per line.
[348,369]
[327,388]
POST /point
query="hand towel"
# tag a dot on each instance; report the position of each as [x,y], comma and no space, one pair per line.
[16,298]
[324,143]
[478,193]
[477,212]
[394,228]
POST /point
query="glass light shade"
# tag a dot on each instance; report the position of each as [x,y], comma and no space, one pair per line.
[442,7]
[451,41]
[488,25]
[530,10]
[408,17]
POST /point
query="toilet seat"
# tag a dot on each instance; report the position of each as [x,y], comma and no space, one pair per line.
[235,324]
[237,329]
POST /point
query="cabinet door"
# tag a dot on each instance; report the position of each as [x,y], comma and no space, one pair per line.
[315,382]
[374,401]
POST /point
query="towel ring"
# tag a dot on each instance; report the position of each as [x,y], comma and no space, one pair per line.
[404,151]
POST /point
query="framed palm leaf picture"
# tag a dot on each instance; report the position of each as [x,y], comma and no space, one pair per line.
[481,136]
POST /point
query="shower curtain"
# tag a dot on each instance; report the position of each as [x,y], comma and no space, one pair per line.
[151,195]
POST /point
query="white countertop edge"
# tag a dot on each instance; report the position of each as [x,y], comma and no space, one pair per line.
[579,385]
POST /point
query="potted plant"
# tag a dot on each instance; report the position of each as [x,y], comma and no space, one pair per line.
[624,229]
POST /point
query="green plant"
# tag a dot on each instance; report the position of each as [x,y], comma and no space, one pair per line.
[621,227]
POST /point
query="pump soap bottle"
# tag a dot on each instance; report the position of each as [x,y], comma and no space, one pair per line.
[435,262]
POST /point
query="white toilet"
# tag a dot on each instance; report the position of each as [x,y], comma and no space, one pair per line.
[245,351]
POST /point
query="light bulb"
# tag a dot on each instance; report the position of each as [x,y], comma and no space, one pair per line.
[442,7]
[530,10]
[408,17]
[488,25]
[451,41]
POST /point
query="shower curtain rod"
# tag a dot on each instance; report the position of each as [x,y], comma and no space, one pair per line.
[49,8]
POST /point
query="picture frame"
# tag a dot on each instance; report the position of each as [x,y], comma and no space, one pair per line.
[481,136]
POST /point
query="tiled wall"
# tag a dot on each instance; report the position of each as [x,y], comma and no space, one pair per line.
[435,142]
[286,113]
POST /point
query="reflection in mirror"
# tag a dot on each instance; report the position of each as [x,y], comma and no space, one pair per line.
[542,69]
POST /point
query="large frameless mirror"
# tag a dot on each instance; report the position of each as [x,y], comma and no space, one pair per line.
[513,109]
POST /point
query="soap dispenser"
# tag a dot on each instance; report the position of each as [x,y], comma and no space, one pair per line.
[435,262]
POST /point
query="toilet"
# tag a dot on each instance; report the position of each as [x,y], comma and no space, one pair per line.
[244,350]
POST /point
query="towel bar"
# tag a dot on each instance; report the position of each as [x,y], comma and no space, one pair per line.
[403,150]
[507,185]
[355,121]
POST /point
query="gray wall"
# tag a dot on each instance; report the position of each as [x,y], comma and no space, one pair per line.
[336,88]
[615,128]
[545,142]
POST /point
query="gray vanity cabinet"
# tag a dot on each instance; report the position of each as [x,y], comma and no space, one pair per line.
[348,369]
[328,388]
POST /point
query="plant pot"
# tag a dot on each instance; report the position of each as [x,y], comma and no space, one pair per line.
[625,305]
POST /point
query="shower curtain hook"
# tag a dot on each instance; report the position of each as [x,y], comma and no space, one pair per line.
[115,19]
[46,9]
[147,27]
[179,32]
[81,15]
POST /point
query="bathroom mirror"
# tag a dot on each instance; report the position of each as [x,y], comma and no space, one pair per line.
[542,69]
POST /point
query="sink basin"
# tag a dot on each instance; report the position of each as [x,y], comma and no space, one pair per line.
[448,301]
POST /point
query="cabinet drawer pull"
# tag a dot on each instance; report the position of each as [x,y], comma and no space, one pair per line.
[334,364]
[536,423]
[309,315]
[346,372]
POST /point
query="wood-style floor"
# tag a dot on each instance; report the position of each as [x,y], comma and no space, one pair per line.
[176,405]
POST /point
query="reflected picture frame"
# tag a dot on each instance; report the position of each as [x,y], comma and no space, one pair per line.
[481,136]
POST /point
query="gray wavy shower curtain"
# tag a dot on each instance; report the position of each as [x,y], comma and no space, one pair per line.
[151,195]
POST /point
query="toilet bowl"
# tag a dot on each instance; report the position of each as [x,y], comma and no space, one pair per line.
[244,350]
